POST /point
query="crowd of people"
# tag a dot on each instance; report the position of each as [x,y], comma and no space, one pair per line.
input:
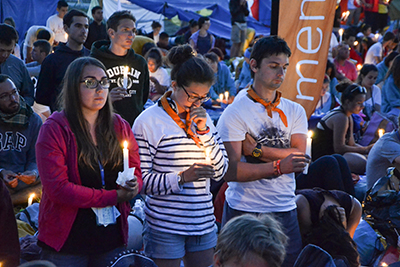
[97,116]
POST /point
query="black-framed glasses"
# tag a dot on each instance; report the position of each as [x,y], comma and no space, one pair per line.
[93,83]
[193,99]
[360,89]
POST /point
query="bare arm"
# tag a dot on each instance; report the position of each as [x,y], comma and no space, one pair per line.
[354,218]
[303,214]
[28,56]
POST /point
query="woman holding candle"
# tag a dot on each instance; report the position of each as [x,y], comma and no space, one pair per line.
[367,79]
[334,133]
[159,77]
[83,212]
[176,170]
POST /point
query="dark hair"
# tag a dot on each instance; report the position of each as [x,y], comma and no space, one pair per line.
[10,20]
[349,91]
[193,23]
[43,34]
[4,77]
[331,236]
[350,32]
[212,56]
[68,18]
[7,34]
[268,46]
[164,36]
[44,46]
[217,51]
[155,24]
[108,148]
[94,9]
[113,21]
[188,68]
[394,70]
[389,58]
[389,36]
[147,46]
[330,65]
[364,27]
[155,54]
[326,79]
[202,20]
[61,4]
[365,70]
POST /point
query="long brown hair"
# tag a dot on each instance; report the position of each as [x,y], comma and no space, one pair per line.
[108,149]
[394,70]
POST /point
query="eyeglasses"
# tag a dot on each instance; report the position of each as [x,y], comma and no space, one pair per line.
[360,89]
[92,83]
[5,97]
[193,99]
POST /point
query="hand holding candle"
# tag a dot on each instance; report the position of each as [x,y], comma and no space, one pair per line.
[30,199]
[226,96]
[221,97]
[381,132]
[340,35]
[308,149]
[125,81]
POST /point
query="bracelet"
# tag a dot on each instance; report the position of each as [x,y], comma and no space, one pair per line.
[201,132]
[278,167]
[276,174]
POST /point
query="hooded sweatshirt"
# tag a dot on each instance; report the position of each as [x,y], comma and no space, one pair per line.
[52,73]
[138,78]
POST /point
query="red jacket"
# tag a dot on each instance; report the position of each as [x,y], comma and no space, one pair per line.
[63,195]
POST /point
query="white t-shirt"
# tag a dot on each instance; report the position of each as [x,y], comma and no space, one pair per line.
[374,51]
[162,76]
[375,99]
[31,37]
[55,23]
[246,116]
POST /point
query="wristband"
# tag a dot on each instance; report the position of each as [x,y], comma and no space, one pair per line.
[201,132]
[276,174]
[278,167]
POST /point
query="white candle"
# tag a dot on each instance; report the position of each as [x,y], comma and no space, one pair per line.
[125,81]
[308,149]
[126,156]
[340,34]
[381,132]
[227,96]
[207,151]
[221,97]
[66,36]
[30,199]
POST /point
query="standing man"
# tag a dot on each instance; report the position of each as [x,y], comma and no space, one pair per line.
[261,172]
[117,56]
[239,11]
[13,66]
[76,24]
[55,22]
[97,28]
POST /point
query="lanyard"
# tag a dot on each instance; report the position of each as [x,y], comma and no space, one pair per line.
[103,182]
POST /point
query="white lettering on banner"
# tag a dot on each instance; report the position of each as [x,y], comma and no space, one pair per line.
[304,17]
[303,79]
[308,50]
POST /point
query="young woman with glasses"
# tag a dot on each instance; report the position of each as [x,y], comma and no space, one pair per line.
[334,133]
[83,211]
[180,151]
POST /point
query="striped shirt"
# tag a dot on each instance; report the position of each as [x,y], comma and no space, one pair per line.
[165,150]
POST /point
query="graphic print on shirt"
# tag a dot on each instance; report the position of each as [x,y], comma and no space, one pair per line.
[12,142]
[116,76]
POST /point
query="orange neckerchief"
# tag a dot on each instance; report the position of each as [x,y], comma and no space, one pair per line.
[175,117]
[269,106]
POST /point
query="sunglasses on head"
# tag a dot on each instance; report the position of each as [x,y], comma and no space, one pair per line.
[359,89]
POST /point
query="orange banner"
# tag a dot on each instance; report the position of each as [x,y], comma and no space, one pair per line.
[306,25]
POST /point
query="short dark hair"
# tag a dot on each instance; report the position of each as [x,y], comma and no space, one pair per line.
[202,20]
[10,20]
[44,46]
[7,34]
[389,36]
[212,56]
[217,51]
[350,32]
[113,21]
[389,58]
[164,36]
[61,4]
[68,18]
[269,46]
[4,77]
[193,23]
[43,34]
[155,24]
[95,9]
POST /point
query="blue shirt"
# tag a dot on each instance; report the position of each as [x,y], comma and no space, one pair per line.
[390,95]
[224,82]
[245,76]
[382,69]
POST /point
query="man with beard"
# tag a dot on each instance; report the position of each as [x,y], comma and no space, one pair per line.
[344,67]
[97,28]
[76,24]
[19,128]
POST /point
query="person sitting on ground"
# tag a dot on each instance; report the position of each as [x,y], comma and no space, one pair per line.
[159,77]
[163,42]
[345,69]
[223,79]
[250,240]
[19,129]
[367,78]
[329,219]
[155,34]
[202,41]
[327,100]
[33,34]
[391,88]
[334,132]
[384,66]
[245,74]
[376,52]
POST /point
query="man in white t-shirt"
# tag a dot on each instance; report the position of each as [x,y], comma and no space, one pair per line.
[375,52]
[55,22]
[265,138]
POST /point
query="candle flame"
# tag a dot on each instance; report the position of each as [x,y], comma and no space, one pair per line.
[32,195]
[310,134]
[384,264]
[341,31]
[126,70]
[125,144]
[359,67]
[381,132]
[355,43]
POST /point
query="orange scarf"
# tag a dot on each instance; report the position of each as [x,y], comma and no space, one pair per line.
[269,106]
[186,127]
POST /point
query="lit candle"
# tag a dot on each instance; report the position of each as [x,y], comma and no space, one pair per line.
[340,35]
[126,156]
[226,96]
[207,151]
[66,36]
[355,43]
[125,81]
[381,132]
[308,149]
[221,97]
[359,67]
[376,36]
[30,199]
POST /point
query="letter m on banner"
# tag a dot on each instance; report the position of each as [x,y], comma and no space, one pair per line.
[306,25]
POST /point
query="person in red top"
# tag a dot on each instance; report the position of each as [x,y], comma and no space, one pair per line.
[344,68]
[83,211]
[349,38]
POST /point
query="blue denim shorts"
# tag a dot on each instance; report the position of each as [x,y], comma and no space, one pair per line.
[161,245]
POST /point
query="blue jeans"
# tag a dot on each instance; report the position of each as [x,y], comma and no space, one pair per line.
[76,260]
[290,228]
